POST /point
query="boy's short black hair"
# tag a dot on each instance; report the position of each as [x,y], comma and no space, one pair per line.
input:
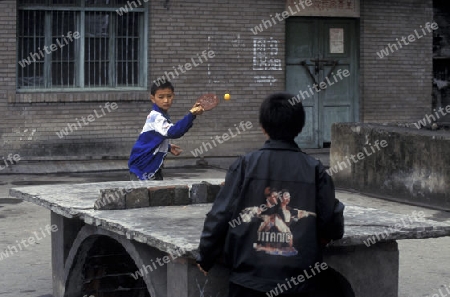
[159,86]
[281,119]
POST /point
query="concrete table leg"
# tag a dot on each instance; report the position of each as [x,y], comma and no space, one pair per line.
[185,280]
[371,271]
[62,240]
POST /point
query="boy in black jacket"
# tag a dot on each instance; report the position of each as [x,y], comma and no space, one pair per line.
[274,213]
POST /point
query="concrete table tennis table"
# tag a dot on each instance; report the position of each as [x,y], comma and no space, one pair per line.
[105,252]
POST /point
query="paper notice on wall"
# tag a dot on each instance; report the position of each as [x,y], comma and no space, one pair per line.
[330,8]
[336,40]
[265,54]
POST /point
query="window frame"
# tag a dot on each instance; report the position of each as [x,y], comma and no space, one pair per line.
[81,11]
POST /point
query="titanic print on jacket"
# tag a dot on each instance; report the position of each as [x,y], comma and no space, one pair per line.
[276,216]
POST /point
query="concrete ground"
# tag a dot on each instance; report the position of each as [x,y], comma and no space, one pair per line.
[424,264]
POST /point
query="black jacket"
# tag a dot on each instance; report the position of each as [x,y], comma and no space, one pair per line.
[266,237]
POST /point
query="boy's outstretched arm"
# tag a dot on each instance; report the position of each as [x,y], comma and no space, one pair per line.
[177,130]
[330,211]
[216,224]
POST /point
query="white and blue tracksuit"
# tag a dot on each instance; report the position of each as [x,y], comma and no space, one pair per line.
[152,146]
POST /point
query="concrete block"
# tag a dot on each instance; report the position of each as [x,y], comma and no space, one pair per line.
[161,196]
[410,167]
[110,199]
[181,195]
[137,198]
[213,190]
[204,192]
[199,193]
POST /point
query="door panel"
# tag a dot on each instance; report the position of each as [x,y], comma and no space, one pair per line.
[302,41]
[308,134]
[338,100]
[300,48]
[320,50]
[294,75]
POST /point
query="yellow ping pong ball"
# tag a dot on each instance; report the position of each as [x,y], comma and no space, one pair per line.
[226,96]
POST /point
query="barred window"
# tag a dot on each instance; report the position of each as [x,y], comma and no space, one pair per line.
[81,44]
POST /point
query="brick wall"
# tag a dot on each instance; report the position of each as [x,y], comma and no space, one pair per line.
[10,117]
[176,35]
[396,88]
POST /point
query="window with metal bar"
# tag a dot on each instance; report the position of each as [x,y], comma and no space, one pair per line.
[80,45]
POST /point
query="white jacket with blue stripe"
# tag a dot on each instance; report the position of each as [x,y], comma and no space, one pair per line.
[152,146]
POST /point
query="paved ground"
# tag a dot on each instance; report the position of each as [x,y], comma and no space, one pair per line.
[424,264]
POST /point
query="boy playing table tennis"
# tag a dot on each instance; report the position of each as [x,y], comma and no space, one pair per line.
[274,213]
[152,146]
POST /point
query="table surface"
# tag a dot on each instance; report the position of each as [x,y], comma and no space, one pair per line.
[179,227]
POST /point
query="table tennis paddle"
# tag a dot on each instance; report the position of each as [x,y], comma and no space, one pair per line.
[208,101]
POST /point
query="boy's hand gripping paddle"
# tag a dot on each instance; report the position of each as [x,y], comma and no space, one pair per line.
[208,101]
